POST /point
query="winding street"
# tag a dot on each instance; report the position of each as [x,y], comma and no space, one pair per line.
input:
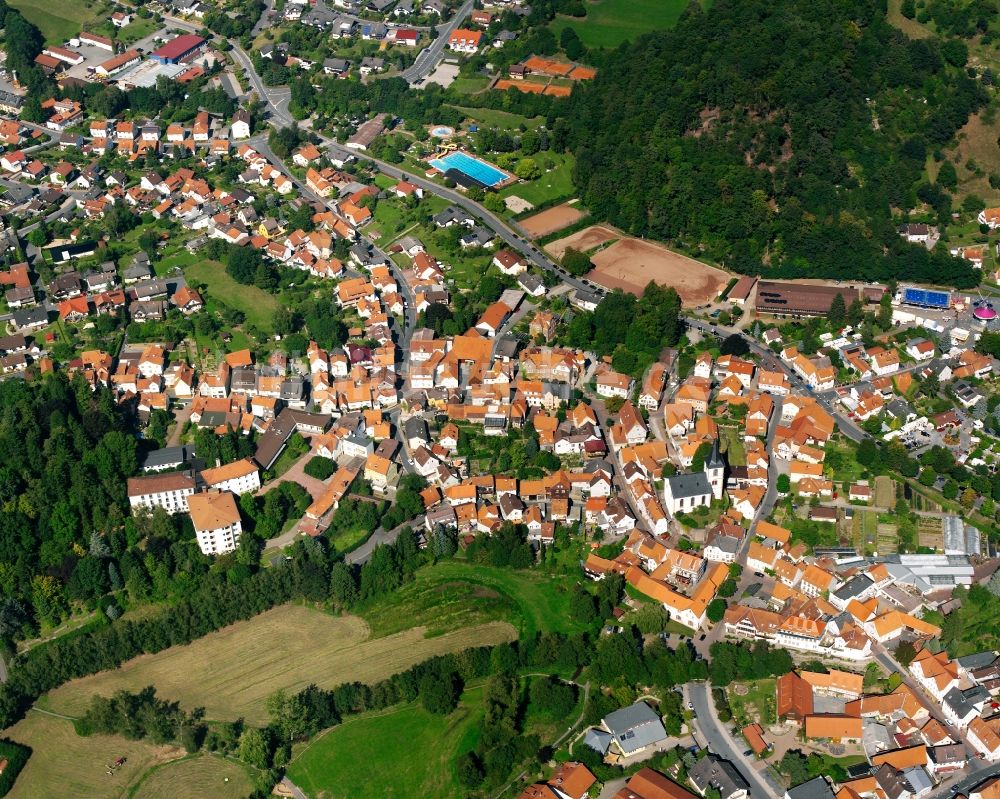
[277,100]
[721,742]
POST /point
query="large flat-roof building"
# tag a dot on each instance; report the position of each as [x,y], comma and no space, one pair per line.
[800,299]
[179,49]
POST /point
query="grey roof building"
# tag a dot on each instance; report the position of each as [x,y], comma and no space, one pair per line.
[167,458]
[683,486]
[598,740]
[979,660]
[816,788]
[714,772]
[635,728]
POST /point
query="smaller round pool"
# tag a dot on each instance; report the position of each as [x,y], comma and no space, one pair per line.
[442,132]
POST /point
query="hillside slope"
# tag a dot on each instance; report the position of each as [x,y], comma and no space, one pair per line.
[777,135]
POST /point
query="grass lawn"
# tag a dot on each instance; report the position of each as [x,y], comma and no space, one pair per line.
[457,592]
[500,119]
[61,21]
[195,777]
[610,22]
[735,452]
[552,185]
[470,85]
[406,752]
[752,701]
[258,305]
[137,29]
[390,218]
[346,539]
[231,672]
[63,763]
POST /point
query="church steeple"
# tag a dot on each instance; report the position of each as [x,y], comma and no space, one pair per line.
[715,470]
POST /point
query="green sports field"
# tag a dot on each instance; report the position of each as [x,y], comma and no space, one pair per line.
[610,22]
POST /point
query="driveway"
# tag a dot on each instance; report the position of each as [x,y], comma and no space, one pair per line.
[296,474]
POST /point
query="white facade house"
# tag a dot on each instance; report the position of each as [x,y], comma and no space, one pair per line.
[168,491]
[216,521]
[238,477]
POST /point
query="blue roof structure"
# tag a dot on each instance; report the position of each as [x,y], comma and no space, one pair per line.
[926,298]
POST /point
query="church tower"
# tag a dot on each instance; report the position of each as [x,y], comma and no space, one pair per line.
[715,471]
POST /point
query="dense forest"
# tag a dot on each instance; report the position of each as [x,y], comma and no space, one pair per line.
[776,135]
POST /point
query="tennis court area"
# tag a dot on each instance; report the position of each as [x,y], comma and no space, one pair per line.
[480,171]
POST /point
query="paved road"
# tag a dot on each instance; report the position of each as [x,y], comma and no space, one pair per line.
[719,741]
[277,100]
[427,59]
[827,399]
[364,552]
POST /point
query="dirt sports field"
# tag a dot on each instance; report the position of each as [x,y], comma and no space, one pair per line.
[583,240]
[550,220]
[232,671]
[630,264]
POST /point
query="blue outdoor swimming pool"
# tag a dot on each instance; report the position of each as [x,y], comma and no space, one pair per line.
[479,170]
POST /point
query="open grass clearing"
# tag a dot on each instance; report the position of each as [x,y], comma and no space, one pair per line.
[500,119]
[60,21]
[456,591]
[555,182]
[977,147]
[470,85]
[64,764]
[256,304]
[194,778]
[232,671]
[610,22]
[416,753]
[910,27]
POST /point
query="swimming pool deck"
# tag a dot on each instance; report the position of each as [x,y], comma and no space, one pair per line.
[508,180]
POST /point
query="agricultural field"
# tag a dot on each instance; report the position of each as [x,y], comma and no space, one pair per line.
[256,304]
[61,21]
[231,672]
[885,491]
[416,754]
[930,533]
[865,530]
[196,777]
[63,763]
[610,22]
[455,592]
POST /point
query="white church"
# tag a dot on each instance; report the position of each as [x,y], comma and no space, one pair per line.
[685,492]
